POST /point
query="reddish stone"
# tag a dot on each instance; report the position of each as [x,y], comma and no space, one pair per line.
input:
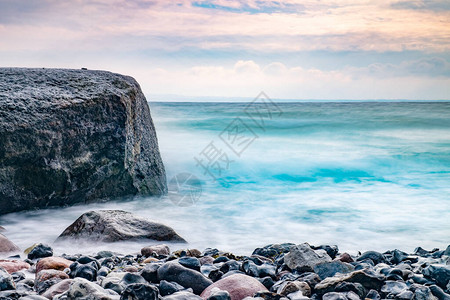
[53,262]
[12,266]
[49,274]
[6,245]
[345,257]
[238,285]
[57,289]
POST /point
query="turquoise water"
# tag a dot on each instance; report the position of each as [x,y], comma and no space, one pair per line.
[359,175]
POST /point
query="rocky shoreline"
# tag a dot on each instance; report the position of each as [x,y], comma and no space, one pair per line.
[275,272]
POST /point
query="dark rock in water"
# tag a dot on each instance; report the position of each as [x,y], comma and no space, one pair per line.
[440,274]
[376,257]
[69,136]
[6,245]
[190,262]
[329,269]
[167,288]
[117,225]
[86,271]
[230,265]
[303,258]
[40,251]
[140,291]
[238,286]
[6,280]
[173,271]
[150,272]
[182,296]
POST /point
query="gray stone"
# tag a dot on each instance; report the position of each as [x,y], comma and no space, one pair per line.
[117,225]
[366,278]
[69,136]
[140,291]
[6,280]
[376,257]
[82,289]
[182,296]
[329,269]
[173,271]
[393,287]
[304,258]
[439,273]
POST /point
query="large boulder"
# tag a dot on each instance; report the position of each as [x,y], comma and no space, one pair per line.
[117,225]
[69,136]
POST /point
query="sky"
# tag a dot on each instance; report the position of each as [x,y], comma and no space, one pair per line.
[223,49]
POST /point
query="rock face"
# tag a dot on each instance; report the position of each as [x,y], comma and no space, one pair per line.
[117,225]
[69,136]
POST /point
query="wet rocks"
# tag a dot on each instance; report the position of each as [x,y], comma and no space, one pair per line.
[440,274]
[117,225]
[329,269]
[71,136]
[238,286]
[6,280]
[40,251]
[54,263]
[6,245]
[140,291]
[225,276]
[173,271]
[303,258]
[12,266]
[155,250]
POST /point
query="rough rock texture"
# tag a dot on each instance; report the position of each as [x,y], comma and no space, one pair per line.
[69,136]
[117,225]
[304,258]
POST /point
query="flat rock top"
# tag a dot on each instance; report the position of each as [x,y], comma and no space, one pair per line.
[24,90]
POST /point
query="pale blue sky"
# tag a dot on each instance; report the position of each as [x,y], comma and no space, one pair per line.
[311,49]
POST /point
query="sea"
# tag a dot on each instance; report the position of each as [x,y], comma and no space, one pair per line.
[360,175]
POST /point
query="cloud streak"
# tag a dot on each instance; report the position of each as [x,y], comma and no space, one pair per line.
[240,46]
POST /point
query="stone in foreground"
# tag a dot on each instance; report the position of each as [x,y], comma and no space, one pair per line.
[69,136]
[117,225]
[238,286]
